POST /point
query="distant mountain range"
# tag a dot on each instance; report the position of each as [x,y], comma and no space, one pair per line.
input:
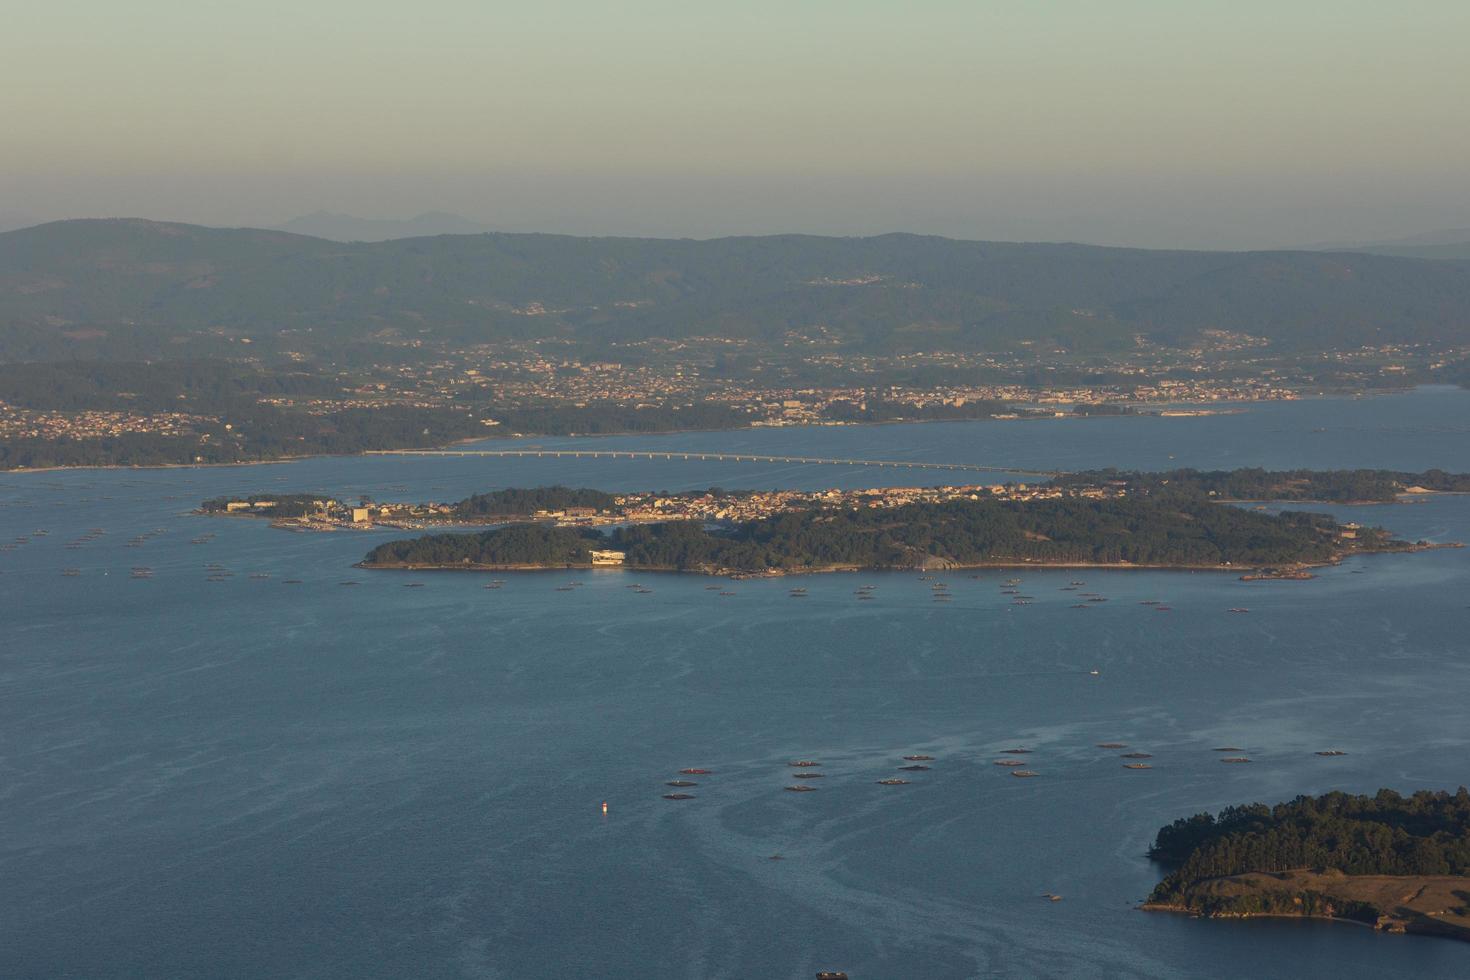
[1452,243]
[349,228]
[131,287]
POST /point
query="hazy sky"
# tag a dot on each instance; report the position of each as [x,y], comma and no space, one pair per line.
[1153,122]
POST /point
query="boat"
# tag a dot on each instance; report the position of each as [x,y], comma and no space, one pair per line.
[1009,763]
[1163,608]
[680,782]
[1331,752]
[563,588]
[1135,755]
[1015,751]
[918,758]
[803,764]
[291,581]
[1081,605]
[347,583]
[893,782]
[1227,748]
[1235,758]
[1137,765]
[801,789]
[695,772]
[1238,609]
[1024,773]
[916,767]
[678,796]
[861,597]
[1112,745]
[809,775]
[711,588]
[413,585]
[727,593]
[1094,671]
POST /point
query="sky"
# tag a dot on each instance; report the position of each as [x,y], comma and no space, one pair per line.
[1156,123]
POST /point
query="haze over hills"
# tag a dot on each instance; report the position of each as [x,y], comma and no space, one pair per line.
[132,287]
[1450,243]
[350,228]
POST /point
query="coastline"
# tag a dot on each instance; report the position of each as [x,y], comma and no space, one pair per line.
[945,566]
[278,460]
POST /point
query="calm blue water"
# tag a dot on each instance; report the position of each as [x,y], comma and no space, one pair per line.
[250,778]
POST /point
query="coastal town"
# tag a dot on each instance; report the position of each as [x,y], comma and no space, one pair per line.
[306,512]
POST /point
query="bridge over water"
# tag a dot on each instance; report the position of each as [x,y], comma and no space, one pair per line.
[711,457]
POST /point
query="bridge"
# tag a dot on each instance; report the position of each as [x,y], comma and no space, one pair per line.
[709,457]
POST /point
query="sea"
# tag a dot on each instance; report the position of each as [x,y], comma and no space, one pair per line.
[250,759]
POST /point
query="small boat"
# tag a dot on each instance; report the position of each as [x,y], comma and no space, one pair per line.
[678,796]
[1238,609]
[1227,748]
[1137,765]
[1024,773]
[1112,745]
[1098,598]
[809,775]
[1135,755]
[413,585]
[1094,671]
[1235,758]
[1163,608]
[918,758]
[1331,752]
[727,593]
[680,782]
[711,588]
[1148,602]
[916,767]
[1081,605]
[695,772]
[347,583]
[1015,751]
[893,782]
[861,597]
[1008,763]
[563,588]
[801,789]
[291,581]
[803,764]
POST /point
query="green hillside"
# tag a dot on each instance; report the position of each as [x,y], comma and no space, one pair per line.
[115,288]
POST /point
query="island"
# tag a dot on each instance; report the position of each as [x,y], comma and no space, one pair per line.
[1397,863]
[1361,486]
[1175,530]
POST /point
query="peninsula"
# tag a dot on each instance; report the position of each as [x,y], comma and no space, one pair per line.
[1397,863]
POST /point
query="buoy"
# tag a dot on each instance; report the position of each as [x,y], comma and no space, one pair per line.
[604,806]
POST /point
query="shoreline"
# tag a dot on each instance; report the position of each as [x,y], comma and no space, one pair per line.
[833,569]
[279,460]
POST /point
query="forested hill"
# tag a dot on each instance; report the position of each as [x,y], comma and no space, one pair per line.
[110,286]
[1186,531]
[1385,834]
